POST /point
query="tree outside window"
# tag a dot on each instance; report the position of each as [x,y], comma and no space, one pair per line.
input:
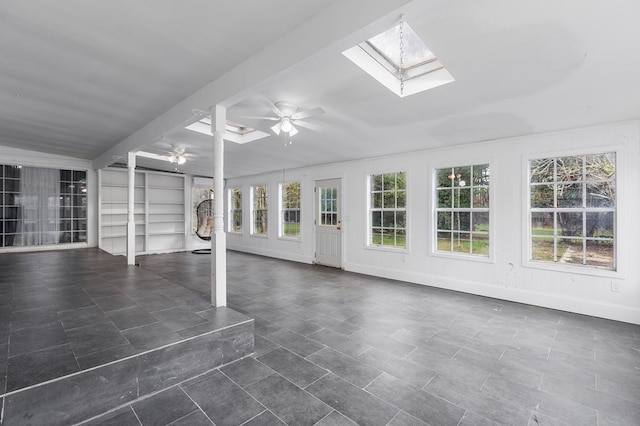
[259,210]
[573,209]
[290,207]
[235,213]
[462,212]
[388,210]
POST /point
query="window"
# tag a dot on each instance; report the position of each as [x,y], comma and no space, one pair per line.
[259,225]
[42,206]
[329,206]
[462,212]
[290,208]
[388,210]
[235,213]
[572,206]
[400,60]
[201,190]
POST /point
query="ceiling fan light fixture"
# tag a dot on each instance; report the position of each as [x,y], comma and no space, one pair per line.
[287,125]
[181,160]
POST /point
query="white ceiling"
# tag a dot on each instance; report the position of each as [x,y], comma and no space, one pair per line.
[95,79]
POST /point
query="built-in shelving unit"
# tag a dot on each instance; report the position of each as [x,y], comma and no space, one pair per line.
[159,211]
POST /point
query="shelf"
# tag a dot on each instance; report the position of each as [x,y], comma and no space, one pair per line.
[111,185]
[167,187]
[121,235]
[110,224]
[121,202]
[161,221]
[165,221]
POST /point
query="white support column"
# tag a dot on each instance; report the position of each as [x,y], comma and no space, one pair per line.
[218,238]
[131,225]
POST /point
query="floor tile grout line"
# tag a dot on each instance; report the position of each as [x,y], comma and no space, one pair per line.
[254,417]
[135,414]
[326,415]
[183,417]
[118,360]
[393,418]
[196,404]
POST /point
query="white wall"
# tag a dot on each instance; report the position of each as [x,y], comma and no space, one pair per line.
[39,159]
[507,275]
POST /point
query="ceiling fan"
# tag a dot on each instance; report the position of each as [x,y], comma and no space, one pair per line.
[177,155]
[288,117]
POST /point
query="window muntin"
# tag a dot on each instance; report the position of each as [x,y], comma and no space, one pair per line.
[42,206]
[235,211]
[329,206]
[572,206]
[259,212]
[462,212]
[290,197]
[388,210]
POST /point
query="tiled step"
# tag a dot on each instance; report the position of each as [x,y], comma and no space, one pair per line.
[76,397]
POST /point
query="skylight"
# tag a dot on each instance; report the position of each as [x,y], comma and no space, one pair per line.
[404,68]
[234,132]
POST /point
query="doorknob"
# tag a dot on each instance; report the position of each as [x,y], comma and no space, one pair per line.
[339,227]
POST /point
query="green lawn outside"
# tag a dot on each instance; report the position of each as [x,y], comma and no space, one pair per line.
[388,240]
[478,246]
[291,230]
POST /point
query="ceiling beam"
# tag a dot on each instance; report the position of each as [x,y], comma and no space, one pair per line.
[335,23]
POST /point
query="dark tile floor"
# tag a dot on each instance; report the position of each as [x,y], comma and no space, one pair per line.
[335,348]
[331,348]
[65,311]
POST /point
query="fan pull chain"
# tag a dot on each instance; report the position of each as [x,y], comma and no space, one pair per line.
[401,58]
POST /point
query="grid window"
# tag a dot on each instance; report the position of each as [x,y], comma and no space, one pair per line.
[388,210]
[329,206]
[572,206]
[462,212]
[290,196]
[259,225]
[235,213]
[42,206]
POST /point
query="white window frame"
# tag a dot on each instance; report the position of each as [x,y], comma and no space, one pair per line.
[282,210]
[198,184]
[488,258]
[619,237]
[253,211]
[232,211]
[369,220]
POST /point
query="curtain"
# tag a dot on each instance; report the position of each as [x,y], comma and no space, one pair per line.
[40,201]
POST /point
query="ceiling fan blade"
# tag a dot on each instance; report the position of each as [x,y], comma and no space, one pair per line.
[276,128]
[307,113]
[272,107]
[308,125]
[252,117]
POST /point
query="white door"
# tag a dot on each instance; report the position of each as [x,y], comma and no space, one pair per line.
[328,223]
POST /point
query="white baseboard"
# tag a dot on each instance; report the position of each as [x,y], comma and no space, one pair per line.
[579,306]
[270,253]
[65,246]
